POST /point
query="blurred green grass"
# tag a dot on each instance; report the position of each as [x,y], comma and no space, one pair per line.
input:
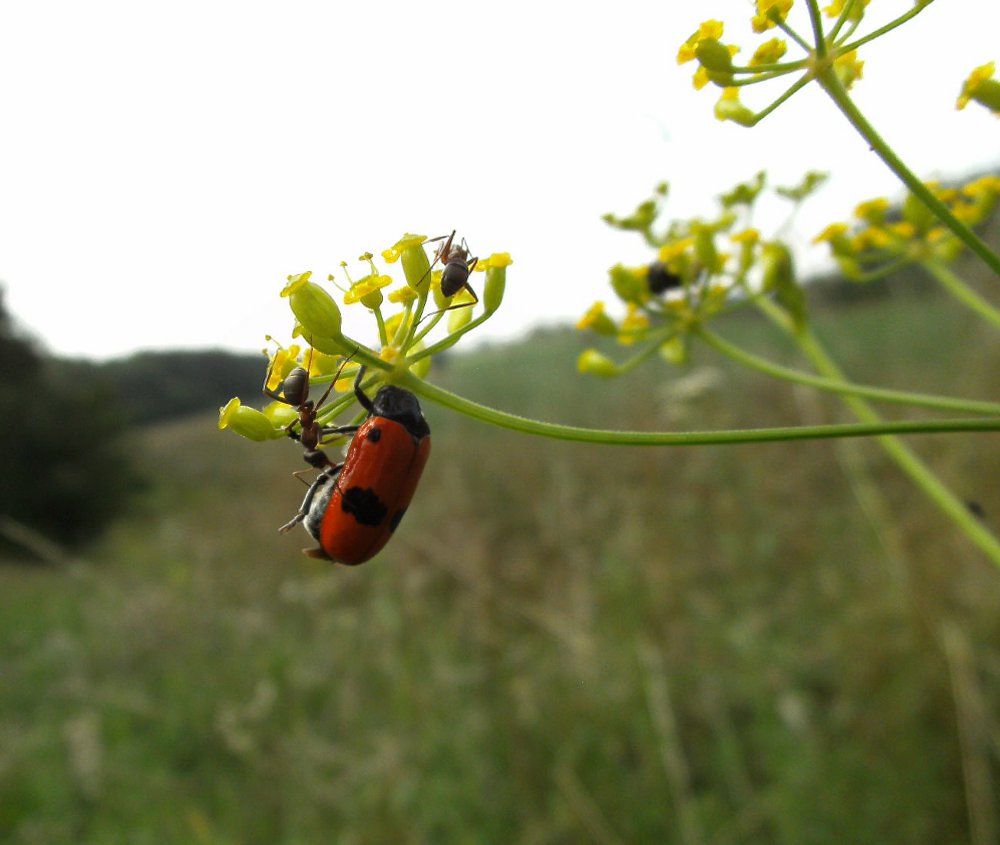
[563,644]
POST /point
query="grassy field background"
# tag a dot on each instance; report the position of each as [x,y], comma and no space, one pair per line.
[562,644]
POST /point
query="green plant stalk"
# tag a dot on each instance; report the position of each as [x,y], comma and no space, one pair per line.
[612,437]
[919,472]
[961,291]
[882,30]
[816,21]
[418,313]
[359,352]
[450,340]
[785,27]
[845,17]
[829,82]
[880,272]
[880,394]
[651,348]
[795,87]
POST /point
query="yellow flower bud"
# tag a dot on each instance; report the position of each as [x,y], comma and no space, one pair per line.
[769,13]
[496,280]
[674,350]
[729,107]
[593,362]
[629,283]
[769,52]
[982,88]
[368,291]
[247,422]
[416,267]
[779,278]
[596,320]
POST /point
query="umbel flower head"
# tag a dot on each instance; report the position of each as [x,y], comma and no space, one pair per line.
[828,56]
[408,335]
[699,267]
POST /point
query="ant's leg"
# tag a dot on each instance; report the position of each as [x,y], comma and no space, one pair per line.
[441,254]
[331,385]
[466,286]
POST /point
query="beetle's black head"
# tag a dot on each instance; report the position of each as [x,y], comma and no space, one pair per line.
[395,403]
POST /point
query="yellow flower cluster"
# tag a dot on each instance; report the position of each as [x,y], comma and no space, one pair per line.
[884,239]
[832,60]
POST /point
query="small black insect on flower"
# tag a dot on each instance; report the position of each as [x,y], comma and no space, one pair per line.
[660,279]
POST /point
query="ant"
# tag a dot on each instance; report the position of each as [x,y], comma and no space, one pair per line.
[294,391]
[457,267]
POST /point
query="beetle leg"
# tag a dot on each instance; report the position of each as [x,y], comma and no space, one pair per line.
[364,401]
[321,479]
[335,430]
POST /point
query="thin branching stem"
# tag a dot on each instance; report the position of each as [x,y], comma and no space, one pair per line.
[612,437]
[962,292]
[831,84]
[952,506]
[880,394]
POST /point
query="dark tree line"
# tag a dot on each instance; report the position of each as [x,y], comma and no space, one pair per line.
[156,386]
[66,470]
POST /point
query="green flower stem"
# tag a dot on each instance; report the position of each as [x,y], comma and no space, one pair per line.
[418,315]
[432,321]
[450,340]
[613,437]
[882,30]
[402,328]
[900,397]
[800,83]
[953,507]
[359,352]
[817,27]
[791,33]
[646,352]
[829,82]
[845,17]
[773,69]
[880,272]
[381,326]
[962,292]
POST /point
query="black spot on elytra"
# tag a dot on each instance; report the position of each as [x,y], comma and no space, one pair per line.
[397,517]
[364,505]
[374,435]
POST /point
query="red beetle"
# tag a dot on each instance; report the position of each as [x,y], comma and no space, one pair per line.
[353,508]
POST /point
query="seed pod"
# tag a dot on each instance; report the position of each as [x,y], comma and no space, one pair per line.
[314,308]
[247,422]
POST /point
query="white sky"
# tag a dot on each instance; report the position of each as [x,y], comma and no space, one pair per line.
[165,166]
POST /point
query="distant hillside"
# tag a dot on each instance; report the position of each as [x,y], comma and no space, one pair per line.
[155,386]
